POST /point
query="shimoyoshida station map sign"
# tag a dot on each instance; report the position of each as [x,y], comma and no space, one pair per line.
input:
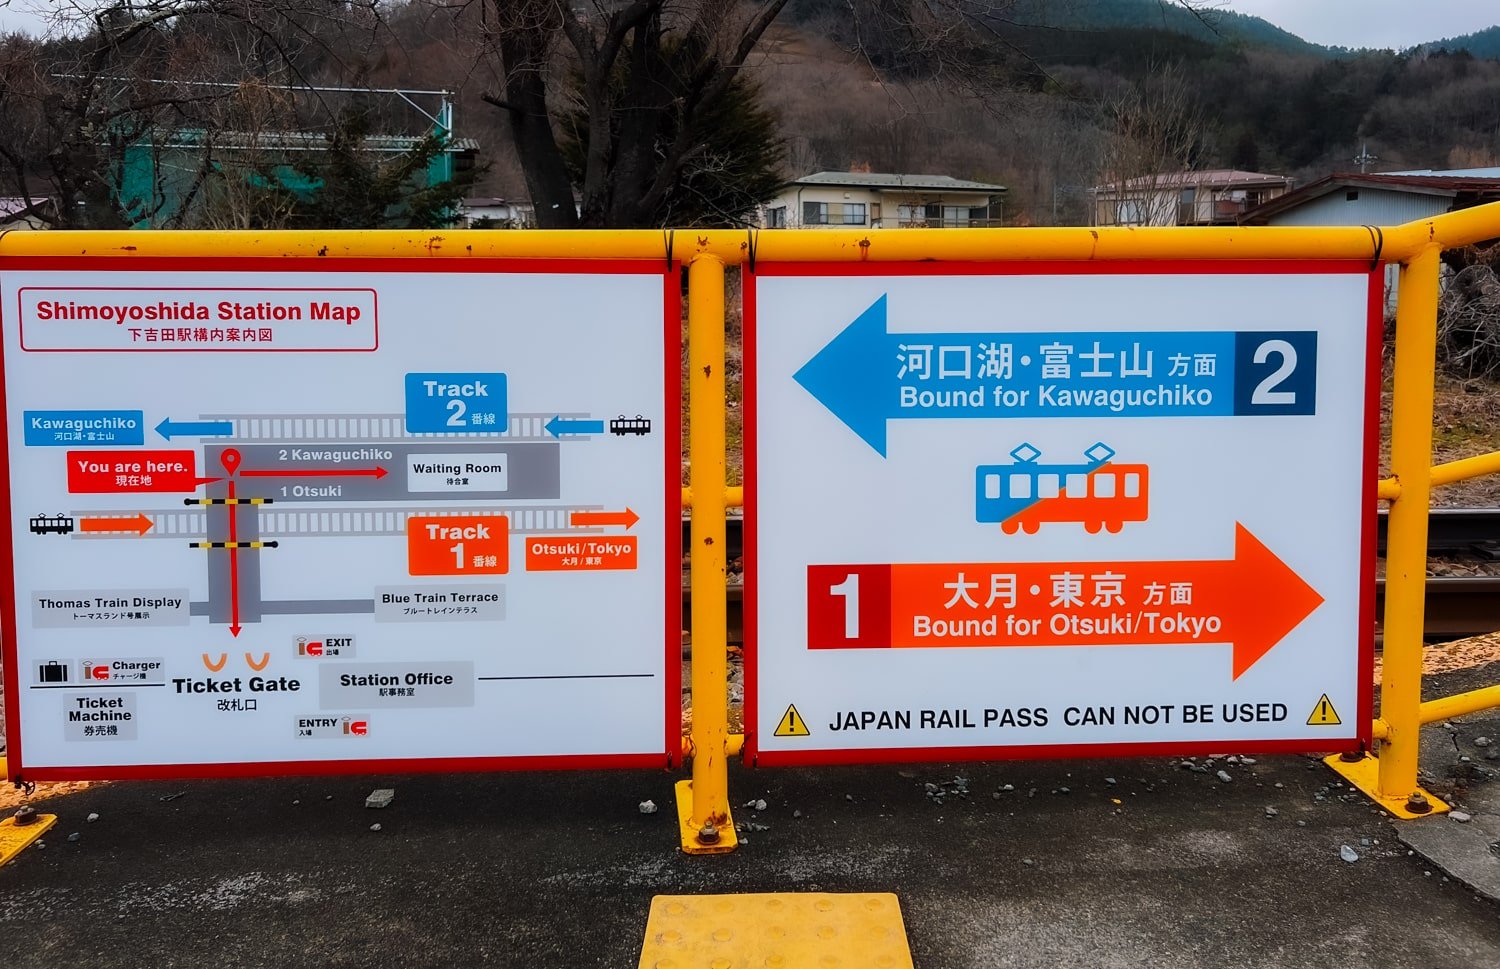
[339,515]
[1029,510]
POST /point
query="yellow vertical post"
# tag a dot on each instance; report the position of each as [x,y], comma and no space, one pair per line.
[1393,779]
[1406,549]
[703,802]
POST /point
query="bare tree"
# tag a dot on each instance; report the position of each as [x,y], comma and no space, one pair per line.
[649,66]
[1157,136]
[166,113]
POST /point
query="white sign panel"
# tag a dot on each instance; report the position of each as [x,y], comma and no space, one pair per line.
[339,516]
[1020,511]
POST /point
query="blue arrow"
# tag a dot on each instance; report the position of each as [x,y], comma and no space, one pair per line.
[846,375]
[557,427]
[866,375]
[170,428]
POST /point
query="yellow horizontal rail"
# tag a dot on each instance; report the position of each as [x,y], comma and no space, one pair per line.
[734,745]
[1467,468]
[1460,704]
[734,497]
[737,246]
[1389,489]
[1448,707]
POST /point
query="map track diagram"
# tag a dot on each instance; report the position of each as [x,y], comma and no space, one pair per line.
[257,519]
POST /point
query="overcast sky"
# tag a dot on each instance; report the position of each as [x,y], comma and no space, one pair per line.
[1374,23]
[1346,23]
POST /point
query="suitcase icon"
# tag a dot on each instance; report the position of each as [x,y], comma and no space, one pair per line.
[52,672]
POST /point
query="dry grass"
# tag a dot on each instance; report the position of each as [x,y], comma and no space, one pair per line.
[1465,423]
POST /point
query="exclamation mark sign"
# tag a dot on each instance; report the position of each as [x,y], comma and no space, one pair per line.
[1323,714]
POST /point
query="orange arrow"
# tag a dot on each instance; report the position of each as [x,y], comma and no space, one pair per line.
[626,518]
[1251,601]
[138,523]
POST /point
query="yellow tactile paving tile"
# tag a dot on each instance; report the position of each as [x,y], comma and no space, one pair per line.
[782,930]
[15,838]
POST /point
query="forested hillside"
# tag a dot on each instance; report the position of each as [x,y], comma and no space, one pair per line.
[1267,108]
[1048,97]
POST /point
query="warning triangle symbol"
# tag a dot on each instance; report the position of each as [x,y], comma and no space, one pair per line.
[1324,715]
[792,724]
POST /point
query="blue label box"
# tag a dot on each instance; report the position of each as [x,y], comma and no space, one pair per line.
[84,428]
[456,403]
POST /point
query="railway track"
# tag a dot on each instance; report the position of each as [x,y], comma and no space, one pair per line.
[1454,531]
[1456,606]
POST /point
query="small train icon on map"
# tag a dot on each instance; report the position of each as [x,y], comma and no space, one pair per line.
[623,425]
[51,524]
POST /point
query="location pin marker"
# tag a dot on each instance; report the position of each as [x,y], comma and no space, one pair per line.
[230,459]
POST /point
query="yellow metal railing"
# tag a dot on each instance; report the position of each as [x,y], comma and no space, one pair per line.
[703,801]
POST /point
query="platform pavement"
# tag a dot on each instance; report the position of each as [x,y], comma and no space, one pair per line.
[547,870]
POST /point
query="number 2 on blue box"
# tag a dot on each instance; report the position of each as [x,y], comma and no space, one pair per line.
[456,403]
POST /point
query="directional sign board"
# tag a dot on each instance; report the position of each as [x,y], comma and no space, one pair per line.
[1030,510]
[337,515]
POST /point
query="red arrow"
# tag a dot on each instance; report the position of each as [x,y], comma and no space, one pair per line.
[584,518]
[234,568]
[139,524]
[376,472]
[1251,601]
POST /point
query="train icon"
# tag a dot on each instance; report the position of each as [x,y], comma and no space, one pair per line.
[623,425]
[1097,494]
[51,525]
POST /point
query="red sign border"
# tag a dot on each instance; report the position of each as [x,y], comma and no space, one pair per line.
[1374,335]
[669,756]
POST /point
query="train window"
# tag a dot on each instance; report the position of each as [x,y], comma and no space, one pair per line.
[1104,485]
[1132,485]
[1047,485]
[992,486]
[1020,486]
[1077,486]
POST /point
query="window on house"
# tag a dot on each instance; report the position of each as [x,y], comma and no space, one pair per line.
[1187,206]
[1129,212]
[853,213]
[911,214]
[1351,196]
[814,213]
[776,217]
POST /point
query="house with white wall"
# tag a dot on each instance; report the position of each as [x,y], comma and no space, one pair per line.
[879,200]
[496,213]
[1389,198]
[17,212]
[1215,197]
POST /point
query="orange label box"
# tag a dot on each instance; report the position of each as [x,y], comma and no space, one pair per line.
[560,554]
[458,545]
[1251,601]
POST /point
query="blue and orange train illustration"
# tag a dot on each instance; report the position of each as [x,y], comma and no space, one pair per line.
[1097,494]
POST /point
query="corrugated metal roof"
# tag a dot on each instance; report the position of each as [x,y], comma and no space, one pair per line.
[919,183]
[300,140]
[16,205]
[1450,186]
[1452,172]
[1211,178]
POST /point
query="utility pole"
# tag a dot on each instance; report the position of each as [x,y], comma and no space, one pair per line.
[1364,158]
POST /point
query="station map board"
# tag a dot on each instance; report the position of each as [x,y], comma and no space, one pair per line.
[316,515]
[1036,510]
